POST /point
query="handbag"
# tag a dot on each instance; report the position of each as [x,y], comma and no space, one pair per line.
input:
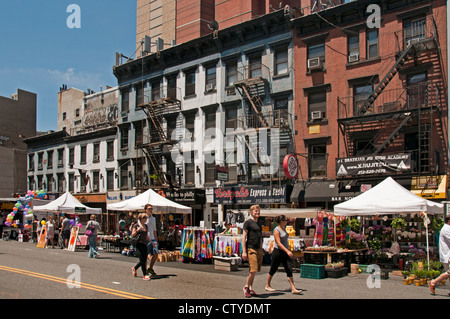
[89,231]
[137,237]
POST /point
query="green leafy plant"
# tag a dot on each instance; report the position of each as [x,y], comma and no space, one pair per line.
[398,223]
[355,224]
[405,274]
[436,223]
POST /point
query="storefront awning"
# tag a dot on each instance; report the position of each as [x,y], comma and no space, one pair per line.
[430,187]
[321,191]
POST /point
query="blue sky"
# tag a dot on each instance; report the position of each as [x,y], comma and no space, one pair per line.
[39,52]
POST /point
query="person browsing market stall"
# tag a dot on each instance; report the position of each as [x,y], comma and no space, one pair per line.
[252,248]
[152,246]
[281,255]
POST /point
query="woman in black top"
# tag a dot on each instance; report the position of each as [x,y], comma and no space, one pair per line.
[141,244]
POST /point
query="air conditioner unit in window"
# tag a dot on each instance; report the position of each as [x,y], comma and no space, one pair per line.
[83,188]
[96,158]
[412,41]
[315,63]
[210,87]
[316,115]
[60,189]
[353,57]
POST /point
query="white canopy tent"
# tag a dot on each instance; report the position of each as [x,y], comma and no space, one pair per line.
[388,197]
[160,204]
[67,202]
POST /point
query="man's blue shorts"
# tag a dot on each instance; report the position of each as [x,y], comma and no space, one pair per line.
[152,250]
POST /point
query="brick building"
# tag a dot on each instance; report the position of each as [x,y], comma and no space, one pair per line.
[371,102]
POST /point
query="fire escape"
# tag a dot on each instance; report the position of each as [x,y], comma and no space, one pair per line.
[253,86]
[389,111]
[158,143]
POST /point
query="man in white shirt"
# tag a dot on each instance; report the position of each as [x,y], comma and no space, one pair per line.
[444,254]
[152,247]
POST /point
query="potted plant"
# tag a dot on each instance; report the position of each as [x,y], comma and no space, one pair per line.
[406,280]
[398,223]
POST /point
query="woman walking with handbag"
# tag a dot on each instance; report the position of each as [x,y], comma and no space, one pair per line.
[91,231]
[139,234]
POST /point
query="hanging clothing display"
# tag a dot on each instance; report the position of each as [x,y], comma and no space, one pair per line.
[197,244]
[227,245]
[295,244]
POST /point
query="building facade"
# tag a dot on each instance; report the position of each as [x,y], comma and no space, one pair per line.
[210,115]
[81,157]
[17,121]
[371,98]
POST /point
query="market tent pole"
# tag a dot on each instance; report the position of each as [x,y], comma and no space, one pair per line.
[428,248]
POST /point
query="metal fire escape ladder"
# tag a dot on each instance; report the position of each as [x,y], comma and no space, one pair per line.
[250,90]
[394,133]
[153,150]
[404,56]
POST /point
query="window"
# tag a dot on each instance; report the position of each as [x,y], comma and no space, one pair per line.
[231,76]
[156,90]
[171,128]
[190,83]
[372,44]
[96,181]
[31,162]
[139,134]
[363,147]
[110,150]
[317,160]
[360,94]
[417,90]
[414,30]
[210,119]
[40,159]
[83,154]
[124,137]
[60,177]
[71,182]
[316,56]
[190,120]
[317,105]
[172,87]
[281,61]
[140,97]
[71,156]
[189,168]
[254,66]
[110,180]
[96,158]
[124,175]
[64,115]
[60,157]
[77,112]
[49,159]
[353,47]
[210,170]
[231,118]
[210,79]
[50,186]
[125,100]
[281,116]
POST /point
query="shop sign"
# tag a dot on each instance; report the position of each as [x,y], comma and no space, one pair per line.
[186,196]
[250,195]
[370,165]
[115,197]
[290,166]
[222,173]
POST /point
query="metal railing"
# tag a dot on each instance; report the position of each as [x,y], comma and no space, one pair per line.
[420,95]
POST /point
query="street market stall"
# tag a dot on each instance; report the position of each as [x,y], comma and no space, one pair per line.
[161,206]
[395,202]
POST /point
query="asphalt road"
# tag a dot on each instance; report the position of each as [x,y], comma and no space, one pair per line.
[28,272]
